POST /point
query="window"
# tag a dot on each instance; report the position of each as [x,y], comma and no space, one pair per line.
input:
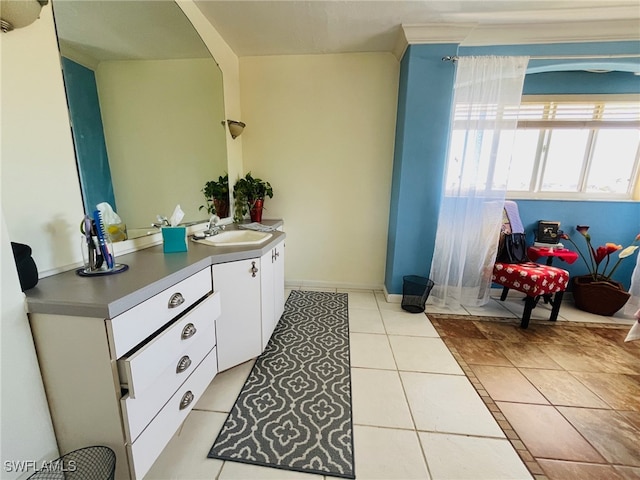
[563,147]
[577,147]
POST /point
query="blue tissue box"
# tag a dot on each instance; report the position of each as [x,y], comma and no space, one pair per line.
[174,239]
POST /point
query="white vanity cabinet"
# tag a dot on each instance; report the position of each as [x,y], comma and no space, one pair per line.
[128,382]
[238,327]
[252,296]
[124,358]
[272,290]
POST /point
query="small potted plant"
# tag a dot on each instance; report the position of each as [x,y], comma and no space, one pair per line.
[217,195]
[249,194]
[597,292]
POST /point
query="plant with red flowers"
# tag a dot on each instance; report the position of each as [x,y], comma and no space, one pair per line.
[602,253]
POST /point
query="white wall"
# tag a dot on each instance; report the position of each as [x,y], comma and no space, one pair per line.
[320,129]
[167,114]
[38,206]
[26,430]
[41,205]
[229,64]
[40,189]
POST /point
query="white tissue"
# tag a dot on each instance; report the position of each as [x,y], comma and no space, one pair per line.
[634,333]
[176,216]
[109,217]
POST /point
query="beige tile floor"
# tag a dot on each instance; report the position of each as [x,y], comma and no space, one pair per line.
[415,413]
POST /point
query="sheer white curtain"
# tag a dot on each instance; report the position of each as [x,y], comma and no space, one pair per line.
[487,95]
[633,304]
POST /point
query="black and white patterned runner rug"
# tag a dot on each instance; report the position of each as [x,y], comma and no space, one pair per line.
[294,411]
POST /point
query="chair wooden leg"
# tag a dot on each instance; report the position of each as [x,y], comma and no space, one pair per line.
[503,295]
[557,300]
[529,303]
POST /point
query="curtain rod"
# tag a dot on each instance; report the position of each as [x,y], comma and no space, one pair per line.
[454,58]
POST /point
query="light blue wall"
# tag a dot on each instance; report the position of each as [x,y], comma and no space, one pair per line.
[424,107]
[615,222]
[422,132]
[571,83]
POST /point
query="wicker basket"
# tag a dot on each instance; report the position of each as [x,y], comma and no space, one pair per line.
[598,296]
[89,463]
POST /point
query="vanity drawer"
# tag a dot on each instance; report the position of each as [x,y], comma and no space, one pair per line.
[148,446]
[138,412]
[133,326]
[142,368]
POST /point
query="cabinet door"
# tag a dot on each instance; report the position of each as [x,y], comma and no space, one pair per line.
[238,328]
[267,296]
[272,290]
[278,282]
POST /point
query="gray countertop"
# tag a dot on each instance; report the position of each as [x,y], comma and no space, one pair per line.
[150,272]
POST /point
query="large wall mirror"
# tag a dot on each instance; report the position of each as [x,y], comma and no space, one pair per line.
[146,105]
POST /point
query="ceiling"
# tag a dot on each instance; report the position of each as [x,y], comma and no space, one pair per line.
[153,29]
[265,27]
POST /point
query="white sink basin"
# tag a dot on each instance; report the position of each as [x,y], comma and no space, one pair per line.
[237,237]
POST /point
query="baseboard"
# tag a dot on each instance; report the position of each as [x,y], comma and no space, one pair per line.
[289,283]
[391,297]
[301,284]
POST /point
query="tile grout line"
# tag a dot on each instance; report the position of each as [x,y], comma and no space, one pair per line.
[406,398]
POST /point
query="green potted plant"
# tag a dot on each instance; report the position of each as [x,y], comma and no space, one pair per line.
[249,194]
[217,195]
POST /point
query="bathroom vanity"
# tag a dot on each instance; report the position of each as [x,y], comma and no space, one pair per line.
[125,357]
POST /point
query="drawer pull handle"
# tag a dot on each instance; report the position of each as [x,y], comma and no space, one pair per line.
[277,254]
[186,400]
[183,364]
[254,270]
[188,331]
[176,300]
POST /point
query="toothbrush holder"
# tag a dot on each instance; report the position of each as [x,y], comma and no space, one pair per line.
[94,261]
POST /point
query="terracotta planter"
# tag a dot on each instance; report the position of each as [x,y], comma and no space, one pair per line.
[599,297]
[222,207]
[256,211]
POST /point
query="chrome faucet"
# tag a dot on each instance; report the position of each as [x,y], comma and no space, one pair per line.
[213,228]
[162,222]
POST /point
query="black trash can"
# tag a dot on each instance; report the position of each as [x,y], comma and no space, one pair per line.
[415,291]
[90,463]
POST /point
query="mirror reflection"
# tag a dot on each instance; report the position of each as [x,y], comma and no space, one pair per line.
[146,106]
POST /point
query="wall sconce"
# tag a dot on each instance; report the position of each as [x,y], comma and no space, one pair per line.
[19,13]
[235,128]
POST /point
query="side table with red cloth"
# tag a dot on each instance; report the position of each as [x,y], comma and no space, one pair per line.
[569,256]
[534,280]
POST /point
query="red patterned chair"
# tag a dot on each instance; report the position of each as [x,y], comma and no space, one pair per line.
[530,278]
[534,280]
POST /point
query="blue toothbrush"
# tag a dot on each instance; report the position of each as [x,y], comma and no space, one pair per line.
[97,217]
